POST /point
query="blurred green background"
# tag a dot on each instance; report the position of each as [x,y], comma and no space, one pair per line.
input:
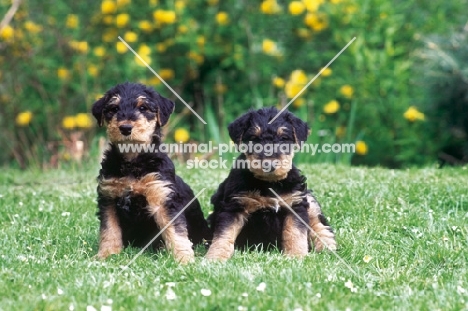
[399,91]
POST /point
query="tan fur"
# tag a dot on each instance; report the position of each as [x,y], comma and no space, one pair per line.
[281,130]
[257,130]
[140,101]
[252,201]
[321,235]
[110,241]
[156,192]
[295,243]
[142,132]
[222,247]
[278,174]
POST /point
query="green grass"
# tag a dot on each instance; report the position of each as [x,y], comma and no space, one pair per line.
[412,223]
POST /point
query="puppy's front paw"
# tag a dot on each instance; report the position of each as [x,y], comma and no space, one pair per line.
[324,240]
[220,252]
[184,256]
[107,249]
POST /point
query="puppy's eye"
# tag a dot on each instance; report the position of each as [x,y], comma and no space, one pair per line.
[112,109]
[143,108]
[284,138]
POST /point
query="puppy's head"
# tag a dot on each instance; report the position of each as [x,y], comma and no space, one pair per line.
[132,113]
[268,147]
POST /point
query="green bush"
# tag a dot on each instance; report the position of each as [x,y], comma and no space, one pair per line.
[222,57]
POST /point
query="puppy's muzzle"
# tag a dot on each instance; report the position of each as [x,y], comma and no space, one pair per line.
[126,129]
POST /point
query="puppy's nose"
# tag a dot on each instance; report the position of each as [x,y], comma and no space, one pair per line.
[126,129]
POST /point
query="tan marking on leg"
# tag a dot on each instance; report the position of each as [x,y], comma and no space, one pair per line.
[110,241]
[322,236]
[156,192]
[295,243]
[222,247]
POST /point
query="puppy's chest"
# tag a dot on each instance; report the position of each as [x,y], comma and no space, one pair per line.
[134,193]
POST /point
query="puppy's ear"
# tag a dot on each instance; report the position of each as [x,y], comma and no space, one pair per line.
[98,110]
[237,128]
[163,106]
[300,129]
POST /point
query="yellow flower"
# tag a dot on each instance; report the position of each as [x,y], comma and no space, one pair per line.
[24,118]
[145,25]
[108,19]
[327,72]
[68,122]
[146,58]
[269,7]
[299,77]
[154,81]
[201,41]
[340,131]
[312,5]
[164,17]
[347,91]
[317,22]
[361,147]
[198,58]
[303,33]
[351,9]
[122,20]
[292,89]
[166,74]
[182,29]
[72,21]
[7,33]
[181,135]
[63,73]
[269,47]
[130,36]
[83,120]
[143,49]
[222,18]
[213,2]
[32,27]
[367,259]
[179,5]
[278,82]
[331,107]
[80,46]
[93,70]
[123,2]
[108,7]
[220,88]
[153,2]
[335,1]
[121,47]
[298,102]
[161,47]
[110,35]
[99,51]
[296,7]
[413,114]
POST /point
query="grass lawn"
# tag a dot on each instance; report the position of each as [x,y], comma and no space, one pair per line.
[402,236]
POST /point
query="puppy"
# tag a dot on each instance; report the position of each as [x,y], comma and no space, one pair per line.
[246,210]
[139,193]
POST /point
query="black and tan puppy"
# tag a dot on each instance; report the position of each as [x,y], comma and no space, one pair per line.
[246,212]
[138,192]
